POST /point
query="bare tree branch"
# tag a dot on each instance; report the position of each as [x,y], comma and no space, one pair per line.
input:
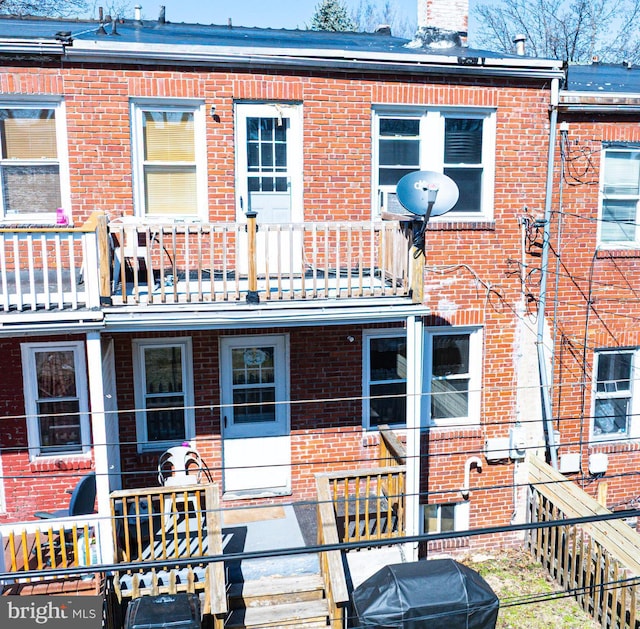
[572,30]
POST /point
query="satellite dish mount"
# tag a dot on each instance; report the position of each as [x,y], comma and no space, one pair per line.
[426,193]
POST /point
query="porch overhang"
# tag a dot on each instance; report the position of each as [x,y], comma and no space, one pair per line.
[267,316]
[46,323]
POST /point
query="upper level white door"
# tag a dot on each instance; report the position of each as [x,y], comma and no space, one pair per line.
[269,178]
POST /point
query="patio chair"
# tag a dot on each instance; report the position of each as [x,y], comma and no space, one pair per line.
[82,500]
[181,465]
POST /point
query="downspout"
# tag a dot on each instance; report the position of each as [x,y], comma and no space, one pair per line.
[547,420]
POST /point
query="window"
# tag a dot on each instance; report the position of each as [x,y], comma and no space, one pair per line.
[170,155]
[385,378]
[56,404]
[164,392]
[459,144]
[614,405]
[452,384]
[620,196]
[33,165]
[445,518]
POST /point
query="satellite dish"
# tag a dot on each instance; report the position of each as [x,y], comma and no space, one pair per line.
[427,193]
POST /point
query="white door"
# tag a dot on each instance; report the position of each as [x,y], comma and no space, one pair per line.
[255,414]
[269,181]
[111,414]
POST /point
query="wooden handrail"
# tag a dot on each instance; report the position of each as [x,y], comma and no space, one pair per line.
[392,449]
[331,561]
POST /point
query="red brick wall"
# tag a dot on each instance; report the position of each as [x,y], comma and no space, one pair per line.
[469,275]
[29,486]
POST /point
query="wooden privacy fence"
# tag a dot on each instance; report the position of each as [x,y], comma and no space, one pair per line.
[598,563]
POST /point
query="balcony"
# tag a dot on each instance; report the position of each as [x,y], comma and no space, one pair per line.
[134,263]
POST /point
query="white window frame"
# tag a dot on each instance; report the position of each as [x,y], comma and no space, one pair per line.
[295,165]
[475,376]
[432,137]
[139,347]
[198,107]
[62,161]
[28,352]
[617,244]
[367,337]
[632,394]
[461,515]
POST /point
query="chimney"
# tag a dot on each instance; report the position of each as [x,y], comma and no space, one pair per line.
[137,14]
[447,15]
[519,41]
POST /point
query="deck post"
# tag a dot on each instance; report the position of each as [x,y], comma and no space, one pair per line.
[252,228]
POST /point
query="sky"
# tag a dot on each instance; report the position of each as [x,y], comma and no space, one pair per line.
[263,13]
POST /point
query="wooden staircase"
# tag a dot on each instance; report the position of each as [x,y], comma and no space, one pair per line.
[291,602]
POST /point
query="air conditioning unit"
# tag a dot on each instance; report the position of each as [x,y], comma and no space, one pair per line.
[389,202]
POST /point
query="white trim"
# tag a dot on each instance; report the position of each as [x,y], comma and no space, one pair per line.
[138,347]
[28,351]
[281,426]
[196,106]
[62,148]
[633,395]
[367,337]
[431,152]
[475,376]
[461,515]
[617,244]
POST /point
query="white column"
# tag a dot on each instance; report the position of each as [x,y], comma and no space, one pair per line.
[414,392]
[100,446]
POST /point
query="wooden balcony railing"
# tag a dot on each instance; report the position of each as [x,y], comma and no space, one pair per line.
[391,450]
[162,263]
[131,262]
[168,523]
[46,545]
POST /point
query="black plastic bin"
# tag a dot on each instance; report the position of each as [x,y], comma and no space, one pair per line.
[435,594]
[178,611]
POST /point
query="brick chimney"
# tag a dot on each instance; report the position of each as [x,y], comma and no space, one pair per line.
[448,15]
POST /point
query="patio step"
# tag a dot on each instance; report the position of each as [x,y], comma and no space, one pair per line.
[294,602]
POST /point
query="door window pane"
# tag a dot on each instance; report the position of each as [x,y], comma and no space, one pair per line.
[254,391]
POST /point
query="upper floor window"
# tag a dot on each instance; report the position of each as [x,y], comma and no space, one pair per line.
[620,195]
[55,391]
[452,384]
[614,404]
[169,160]
[385,378]
[460,144]
[33,165]
[164,392]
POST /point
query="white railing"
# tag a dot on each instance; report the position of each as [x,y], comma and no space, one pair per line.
[47,269]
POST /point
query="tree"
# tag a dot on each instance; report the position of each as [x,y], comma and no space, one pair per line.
[49,8]
[368,16]
[571,30]
[332,15]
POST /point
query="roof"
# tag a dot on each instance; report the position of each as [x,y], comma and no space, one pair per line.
[602,88]
[604,77]
[153,42]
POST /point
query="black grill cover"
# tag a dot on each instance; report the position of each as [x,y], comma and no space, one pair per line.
[434,594]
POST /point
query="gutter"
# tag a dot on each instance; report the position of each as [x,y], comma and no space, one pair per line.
[351,61]
[32,47]
[552,450]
